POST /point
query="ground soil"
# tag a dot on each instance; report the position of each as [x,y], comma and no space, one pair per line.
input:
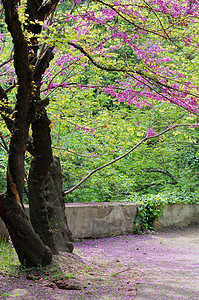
[149,266]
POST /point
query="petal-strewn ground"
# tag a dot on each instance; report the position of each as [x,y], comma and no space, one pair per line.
[152,266]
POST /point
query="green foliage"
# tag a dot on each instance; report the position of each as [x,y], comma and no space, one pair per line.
[8,258]
[150,207]
[118,127]
[115,133]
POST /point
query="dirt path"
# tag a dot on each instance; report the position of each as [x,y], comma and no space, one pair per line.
[153,266]
[171,270]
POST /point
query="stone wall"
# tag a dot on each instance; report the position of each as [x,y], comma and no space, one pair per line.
[178,215]
[96,220]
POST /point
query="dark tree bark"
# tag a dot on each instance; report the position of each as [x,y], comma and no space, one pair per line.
[36,183]
[56,207]
[46,202]
[40,165]
[33,246]
[28,245]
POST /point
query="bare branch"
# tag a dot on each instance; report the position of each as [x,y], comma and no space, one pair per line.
[144,187]
[122,156]
[165,172]
[6,62]
[45,10]
[129,21]
[73,152]
[92,60]
[137,72]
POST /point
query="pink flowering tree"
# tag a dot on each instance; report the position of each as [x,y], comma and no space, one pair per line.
[50,44]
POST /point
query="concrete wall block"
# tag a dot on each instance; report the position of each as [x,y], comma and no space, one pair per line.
[101,219]
[178,215]
[95,220]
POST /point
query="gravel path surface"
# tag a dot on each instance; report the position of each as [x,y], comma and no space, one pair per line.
[151,266]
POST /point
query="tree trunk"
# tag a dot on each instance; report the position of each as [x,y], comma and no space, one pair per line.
[36,182]
[56,208]
[46,201]
[28,245]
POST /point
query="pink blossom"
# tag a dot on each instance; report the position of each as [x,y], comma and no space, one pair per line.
[150,132]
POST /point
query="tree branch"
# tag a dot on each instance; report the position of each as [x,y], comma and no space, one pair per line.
[92,60]
[73,152]
[38,11]
[165,172]
[149,79]
[6,62]
[45,10]
[127,20]
[18,142]
[42,65]
[122,156]
[144,187]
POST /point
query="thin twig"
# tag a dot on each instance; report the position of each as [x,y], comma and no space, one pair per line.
[6,62]
[73,152]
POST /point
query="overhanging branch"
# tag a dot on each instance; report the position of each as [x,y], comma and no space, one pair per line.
[92,60]
[146,186]
[66,192]
[165,172]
